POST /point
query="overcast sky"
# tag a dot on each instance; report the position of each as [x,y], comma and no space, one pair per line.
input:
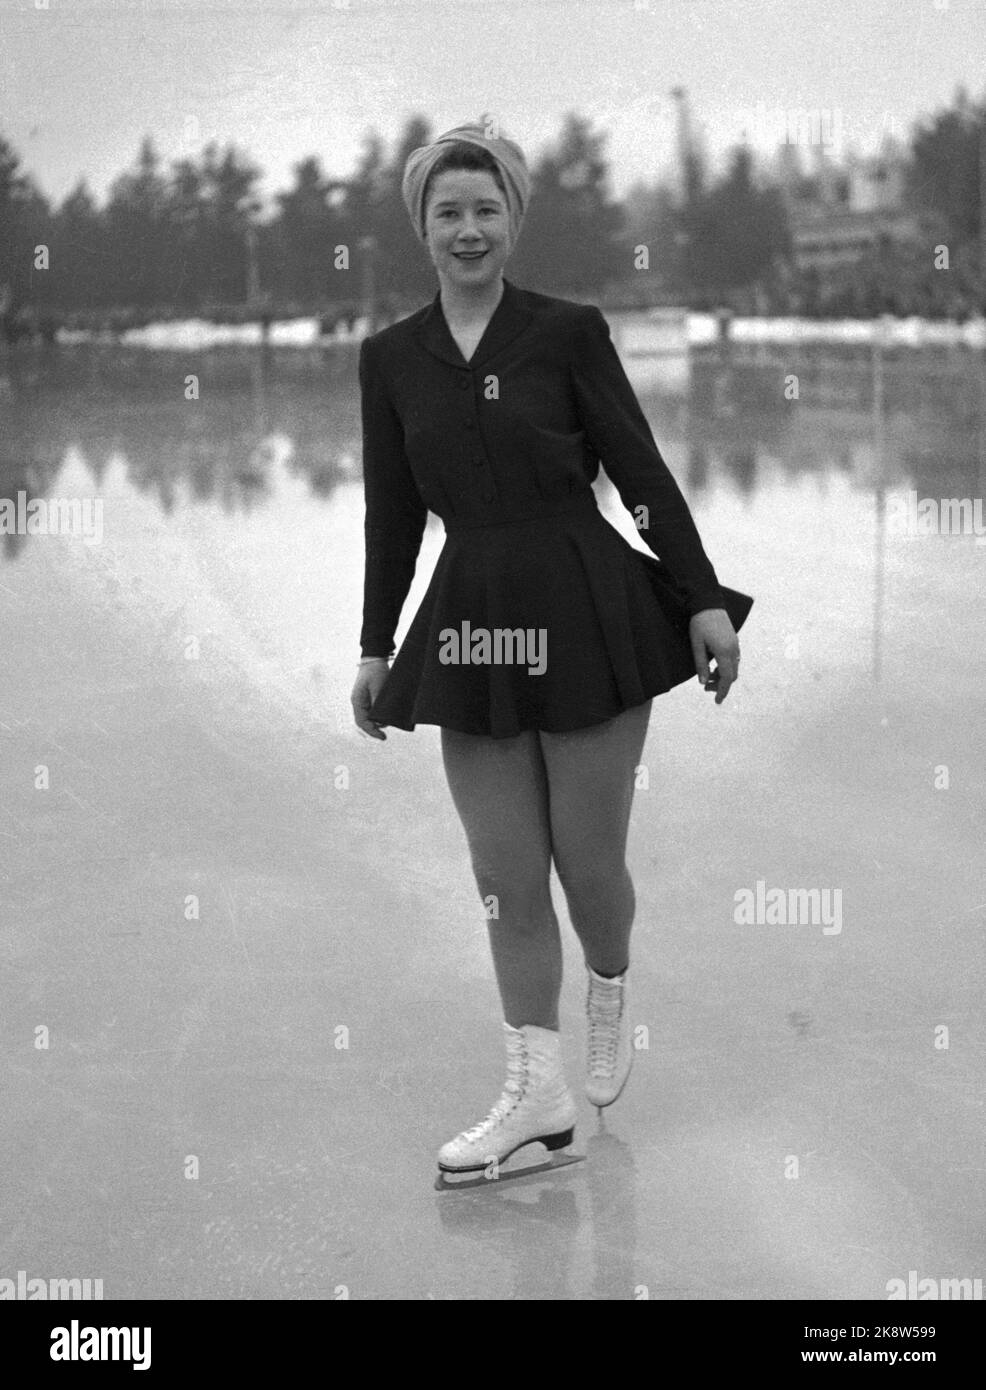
[83,82]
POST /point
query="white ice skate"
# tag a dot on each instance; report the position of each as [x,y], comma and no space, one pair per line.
[610,1055]
[535,1106]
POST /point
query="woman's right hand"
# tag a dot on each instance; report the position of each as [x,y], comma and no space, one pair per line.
[370,680]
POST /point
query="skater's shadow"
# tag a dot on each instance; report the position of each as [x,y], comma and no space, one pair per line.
[543,1223]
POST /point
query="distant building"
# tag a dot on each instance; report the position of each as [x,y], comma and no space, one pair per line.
[840,214]
[832,241]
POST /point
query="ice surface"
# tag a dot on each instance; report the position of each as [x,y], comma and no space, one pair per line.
[334,894]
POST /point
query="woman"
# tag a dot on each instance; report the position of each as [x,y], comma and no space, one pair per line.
[543,635]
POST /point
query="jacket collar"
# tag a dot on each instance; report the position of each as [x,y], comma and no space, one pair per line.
[510,317]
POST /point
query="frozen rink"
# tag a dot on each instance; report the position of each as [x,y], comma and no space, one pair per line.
[335,906]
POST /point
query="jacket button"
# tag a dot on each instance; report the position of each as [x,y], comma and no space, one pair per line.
[463,383]
[470,424]
[489,497]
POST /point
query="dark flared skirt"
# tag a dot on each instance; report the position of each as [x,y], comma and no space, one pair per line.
[567,593]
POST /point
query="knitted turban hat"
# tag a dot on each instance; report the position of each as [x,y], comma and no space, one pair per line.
[509,159]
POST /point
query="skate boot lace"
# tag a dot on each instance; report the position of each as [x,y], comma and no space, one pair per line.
[513,1091]
[605,1016]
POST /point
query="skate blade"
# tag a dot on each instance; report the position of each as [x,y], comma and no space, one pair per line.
[449,1182]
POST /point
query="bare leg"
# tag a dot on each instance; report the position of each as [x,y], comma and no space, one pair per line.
[500,791]
[591,782]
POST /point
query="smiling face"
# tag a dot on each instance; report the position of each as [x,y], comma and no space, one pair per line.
[467,213]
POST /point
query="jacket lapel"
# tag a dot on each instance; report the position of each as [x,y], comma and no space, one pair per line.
[510,317]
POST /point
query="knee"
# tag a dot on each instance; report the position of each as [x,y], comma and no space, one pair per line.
[593,878]
[520,890]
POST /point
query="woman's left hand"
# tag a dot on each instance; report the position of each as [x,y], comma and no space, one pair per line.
[713,634]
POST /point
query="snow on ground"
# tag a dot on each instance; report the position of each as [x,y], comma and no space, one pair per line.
[893,332]
[696,330]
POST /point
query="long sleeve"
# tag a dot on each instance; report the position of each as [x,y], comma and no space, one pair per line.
[619,433]
[395,512]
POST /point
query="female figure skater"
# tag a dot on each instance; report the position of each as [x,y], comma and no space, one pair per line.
[543,635]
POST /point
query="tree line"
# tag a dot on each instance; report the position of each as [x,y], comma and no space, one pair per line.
[193,239]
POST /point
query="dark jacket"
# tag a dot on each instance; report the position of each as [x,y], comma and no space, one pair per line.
[543,399]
